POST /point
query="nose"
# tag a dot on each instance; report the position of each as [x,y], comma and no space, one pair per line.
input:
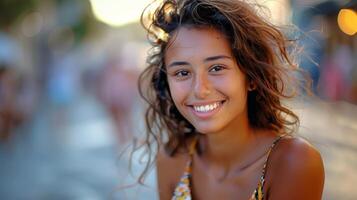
[202,86]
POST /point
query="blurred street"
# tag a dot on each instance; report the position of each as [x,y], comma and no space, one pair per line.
[77,158]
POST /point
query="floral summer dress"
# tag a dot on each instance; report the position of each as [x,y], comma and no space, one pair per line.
[183,191]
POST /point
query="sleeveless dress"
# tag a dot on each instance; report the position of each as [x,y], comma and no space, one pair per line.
[183,191]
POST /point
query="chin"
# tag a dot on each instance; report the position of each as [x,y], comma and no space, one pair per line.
[206,129]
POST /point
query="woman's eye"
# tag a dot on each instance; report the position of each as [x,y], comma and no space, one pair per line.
[182,73]
[216,68]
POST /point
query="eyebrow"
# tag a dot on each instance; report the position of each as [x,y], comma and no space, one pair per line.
[209,59]
[213,58]
[178,63]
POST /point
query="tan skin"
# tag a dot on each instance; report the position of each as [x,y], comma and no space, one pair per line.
[202,71]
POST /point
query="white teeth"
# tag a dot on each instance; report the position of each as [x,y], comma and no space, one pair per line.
[206,108]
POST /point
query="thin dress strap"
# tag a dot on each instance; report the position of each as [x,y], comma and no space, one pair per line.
[258,193]
[183,190]
[191,151]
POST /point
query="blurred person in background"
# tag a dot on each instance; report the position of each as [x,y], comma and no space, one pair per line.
[10,115]
[337,65]
[16,88]
[338,49]
[331,51]
[117,90]
[311,39]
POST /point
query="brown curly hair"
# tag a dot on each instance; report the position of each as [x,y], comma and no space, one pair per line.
[261,50]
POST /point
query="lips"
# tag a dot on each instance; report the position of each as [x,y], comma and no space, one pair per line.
[206,110]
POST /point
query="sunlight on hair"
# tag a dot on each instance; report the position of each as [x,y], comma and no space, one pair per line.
[118,12]
[279,10]
[347,21]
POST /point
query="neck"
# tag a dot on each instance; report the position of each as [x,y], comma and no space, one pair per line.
[227,146]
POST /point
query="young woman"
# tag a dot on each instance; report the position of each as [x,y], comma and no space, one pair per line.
[217,75]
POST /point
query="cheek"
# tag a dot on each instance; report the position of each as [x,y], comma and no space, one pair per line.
[179,92]
[232,86]
[230,83]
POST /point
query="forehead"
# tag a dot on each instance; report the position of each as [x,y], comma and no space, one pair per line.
[188,42]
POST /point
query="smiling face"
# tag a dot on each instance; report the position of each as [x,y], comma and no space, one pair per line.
[205,82]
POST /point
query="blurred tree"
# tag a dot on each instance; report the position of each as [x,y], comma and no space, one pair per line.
[77,15]
[11,10]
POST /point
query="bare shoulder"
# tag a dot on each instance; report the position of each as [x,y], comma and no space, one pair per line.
[296,170]
[169,170]
[293,151]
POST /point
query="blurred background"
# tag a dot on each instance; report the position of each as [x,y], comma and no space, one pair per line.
[69,103]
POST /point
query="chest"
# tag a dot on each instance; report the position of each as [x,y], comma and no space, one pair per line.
[209,184]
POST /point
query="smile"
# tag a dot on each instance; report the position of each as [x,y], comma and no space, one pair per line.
[207,107]
[206,110]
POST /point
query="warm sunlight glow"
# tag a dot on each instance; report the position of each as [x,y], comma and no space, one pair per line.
[118,12]
[121,12]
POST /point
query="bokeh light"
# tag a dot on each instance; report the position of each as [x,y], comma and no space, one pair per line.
[118,12]
[347,21]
